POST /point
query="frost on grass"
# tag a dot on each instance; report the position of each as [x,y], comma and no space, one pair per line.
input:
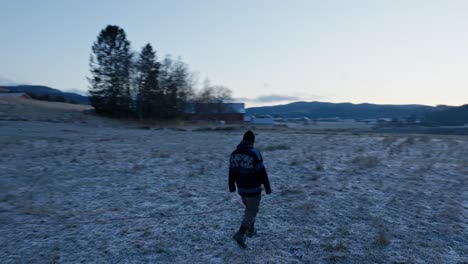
[118,195]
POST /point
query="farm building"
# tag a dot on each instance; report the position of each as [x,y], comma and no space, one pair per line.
[263,120]
[228,112]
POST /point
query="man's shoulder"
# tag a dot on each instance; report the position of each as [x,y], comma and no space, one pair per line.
[256,152]
[247,151]
[236,152]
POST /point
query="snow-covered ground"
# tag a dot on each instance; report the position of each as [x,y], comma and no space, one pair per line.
[72,193]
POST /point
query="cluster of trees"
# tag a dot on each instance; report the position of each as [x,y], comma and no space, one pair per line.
[123,84]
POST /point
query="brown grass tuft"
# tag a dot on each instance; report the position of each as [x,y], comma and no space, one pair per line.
[276,147]
[382,239]
[365,162]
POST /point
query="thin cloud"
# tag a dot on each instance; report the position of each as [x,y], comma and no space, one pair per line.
[268,98]
[275,98]
[7,81]
[242,99]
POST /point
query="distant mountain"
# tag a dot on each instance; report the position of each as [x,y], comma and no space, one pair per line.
[47,93]
[316,110]
[456,116]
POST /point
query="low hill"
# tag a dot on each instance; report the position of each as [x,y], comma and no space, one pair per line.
[15,108]
[22,109]
[344,110]
[456,116]
[47,94]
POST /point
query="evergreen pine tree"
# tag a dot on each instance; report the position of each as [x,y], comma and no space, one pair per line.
[149,95]
[110,63]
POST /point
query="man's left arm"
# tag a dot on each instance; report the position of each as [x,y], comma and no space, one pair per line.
[266,181]
[263,175]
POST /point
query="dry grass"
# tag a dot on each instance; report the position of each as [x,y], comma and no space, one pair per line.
[424,139]
[319,167]
[337,251]
[276,147]
[30,109]
[389,140]
[295,161]
[306,207]
[382,239]
[365,162]
[409,141]
[66,172]
[161,154]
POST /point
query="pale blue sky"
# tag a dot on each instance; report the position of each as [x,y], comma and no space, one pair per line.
[375,51]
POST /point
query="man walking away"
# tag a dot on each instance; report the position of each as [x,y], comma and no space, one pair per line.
[246,171]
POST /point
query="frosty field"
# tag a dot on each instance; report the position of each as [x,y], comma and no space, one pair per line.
[82,193]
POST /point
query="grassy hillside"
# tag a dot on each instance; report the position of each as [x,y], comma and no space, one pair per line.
[29,109]
[46,93]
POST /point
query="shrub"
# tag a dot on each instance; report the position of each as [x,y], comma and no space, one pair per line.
[410,140]
[161,155]
[424,139]
[319,167]
[382,239]
[389,140]
[294,162]
[333,247]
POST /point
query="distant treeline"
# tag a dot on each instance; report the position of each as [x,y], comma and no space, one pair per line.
[51,98]
[129,84]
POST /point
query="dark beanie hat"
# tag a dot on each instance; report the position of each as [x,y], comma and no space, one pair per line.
[249,136]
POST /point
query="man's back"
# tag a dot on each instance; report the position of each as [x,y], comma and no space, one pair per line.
[246,170]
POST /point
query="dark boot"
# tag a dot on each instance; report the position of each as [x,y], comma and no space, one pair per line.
[240,236]
[251,230]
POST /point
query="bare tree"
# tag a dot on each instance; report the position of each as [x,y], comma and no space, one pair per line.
[211,99]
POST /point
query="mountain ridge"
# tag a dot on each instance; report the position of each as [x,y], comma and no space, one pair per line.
[345,110]
[41,91]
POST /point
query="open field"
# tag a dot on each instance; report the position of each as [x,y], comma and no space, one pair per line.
[112,194]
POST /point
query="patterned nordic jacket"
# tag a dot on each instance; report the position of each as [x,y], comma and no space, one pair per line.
[246,170]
